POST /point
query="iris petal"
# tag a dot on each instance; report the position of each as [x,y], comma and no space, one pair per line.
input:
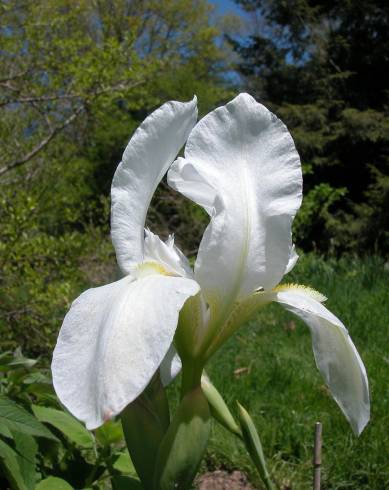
[335,355]
[241,165]
[148,155]
[113,340]
[167,254]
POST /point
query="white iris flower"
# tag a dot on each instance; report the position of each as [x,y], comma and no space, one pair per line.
[242,167]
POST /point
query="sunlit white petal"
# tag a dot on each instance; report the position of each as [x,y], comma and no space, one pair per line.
[184,177]
[244,155]
[151,150]
[335,355]
[167,254]
[112,341]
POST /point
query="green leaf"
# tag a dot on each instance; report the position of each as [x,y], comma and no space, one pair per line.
[65,423]
[20,360]
[10,463]
[26,449]
[37,377]
[109,433]
[42,391]
[53,483]
[253,445]
[5,358]
[18,419]
[145,422]
[123,464]
[183,447]
[4,430]
[125,483]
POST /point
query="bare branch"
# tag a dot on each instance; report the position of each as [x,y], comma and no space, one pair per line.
[13,77]
[56,129]
[42,98]
[48,98]
[41,144]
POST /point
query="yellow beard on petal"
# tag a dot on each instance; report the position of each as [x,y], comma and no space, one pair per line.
[151,268]
[299,288]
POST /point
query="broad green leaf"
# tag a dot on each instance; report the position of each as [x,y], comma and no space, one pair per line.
[10,464]
[43,391]
[126,483]
[37,377]
[4,430]
[65,423]
[53,483]
[184,444]
[145,422]
[26,449]
[253,445]
[110,433]
[18,419]
[123,464]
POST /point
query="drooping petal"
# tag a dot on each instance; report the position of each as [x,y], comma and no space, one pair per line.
[335,354]
[112,341]
[241,165]
[167,254]
[148,155]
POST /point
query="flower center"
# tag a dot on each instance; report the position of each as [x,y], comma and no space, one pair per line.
[151,268]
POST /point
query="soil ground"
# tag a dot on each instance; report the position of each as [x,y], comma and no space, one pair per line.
[221,480]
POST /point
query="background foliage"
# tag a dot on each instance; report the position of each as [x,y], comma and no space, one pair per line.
[75,81]
[76,78]
[323,67]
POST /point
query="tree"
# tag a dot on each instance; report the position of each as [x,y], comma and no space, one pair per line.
[324,68]
[75,80]
[60,59]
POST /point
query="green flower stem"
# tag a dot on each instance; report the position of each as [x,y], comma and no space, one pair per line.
[184,444]
[191,377]
[103,456]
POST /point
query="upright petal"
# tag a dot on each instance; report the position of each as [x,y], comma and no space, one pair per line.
[112,341]
[242,166]
[335,354]
[148,155]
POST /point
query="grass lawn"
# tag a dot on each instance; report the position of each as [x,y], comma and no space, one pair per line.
[269,367]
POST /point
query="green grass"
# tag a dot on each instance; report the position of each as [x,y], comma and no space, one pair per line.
[284,391]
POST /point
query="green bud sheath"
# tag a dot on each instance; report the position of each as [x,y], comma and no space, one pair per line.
[145,422]
[253,445]
[184,444]
[219,409]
